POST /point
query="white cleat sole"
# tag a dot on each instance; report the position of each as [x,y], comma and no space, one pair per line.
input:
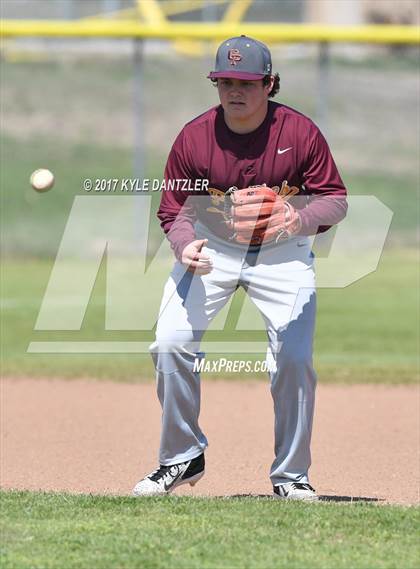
[192,481]
[297,498]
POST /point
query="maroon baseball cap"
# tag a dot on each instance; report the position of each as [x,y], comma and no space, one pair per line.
[242,58]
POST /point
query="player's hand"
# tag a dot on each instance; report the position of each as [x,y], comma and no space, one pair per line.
[196,262]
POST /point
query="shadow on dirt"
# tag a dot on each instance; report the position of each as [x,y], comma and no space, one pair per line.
[322,498]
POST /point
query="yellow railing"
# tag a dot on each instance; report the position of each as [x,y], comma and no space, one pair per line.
[166,8]
[151,12]
[275,33]
[174,7]
[236,11]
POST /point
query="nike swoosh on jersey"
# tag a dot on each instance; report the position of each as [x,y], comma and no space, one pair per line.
[283,150]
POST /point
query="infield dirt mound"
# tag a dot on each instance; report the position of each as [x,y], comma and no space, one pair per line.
[101,437]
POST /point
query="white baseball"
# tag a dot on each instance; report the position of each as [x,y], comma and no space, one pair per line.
[42,180]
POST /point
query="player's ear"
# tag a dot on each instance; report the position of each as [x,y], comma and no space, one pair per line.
[268,83]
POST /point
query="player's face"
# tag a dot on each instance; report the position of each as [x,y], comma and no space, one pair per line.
[241,100]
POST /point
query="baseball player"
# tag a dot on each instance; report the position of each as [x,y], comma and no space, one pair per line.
[272,182]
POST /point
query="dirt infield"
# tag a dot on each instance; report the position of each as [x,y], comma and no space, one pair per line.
[100,437]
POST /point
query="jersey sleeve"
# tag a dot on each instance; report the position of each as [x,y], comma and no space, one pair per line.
[176,211]
[327,202]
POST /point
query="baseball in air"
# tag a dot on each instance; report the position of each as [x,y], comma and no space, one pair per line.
[42,180]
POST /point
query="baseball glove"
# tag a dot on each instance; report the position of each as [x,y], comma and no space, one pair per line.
[259,214]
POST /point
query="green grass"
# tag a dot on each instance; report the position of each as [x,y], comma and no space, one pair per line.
[405,207]
[76,119]
[32,224]
[369,330]
[41,530]
[395,58]
[366,332]
[70,122]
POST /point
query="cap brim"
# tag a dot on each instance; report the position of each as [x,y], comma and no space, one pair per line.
[235,75]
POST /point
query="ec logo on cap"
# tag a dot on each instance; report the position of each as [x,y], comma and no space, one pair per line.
[234,55]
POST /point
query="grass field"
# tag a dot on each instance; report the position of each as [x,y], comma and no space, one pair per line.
[59,530]
[75,117]
[365,332]
[360,329]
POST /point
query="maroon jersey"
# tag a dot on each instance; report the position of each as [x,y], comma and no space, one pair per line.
[287,146]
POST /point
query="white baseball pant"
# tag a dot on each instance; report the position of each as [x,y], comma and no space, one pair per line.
[279,279]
